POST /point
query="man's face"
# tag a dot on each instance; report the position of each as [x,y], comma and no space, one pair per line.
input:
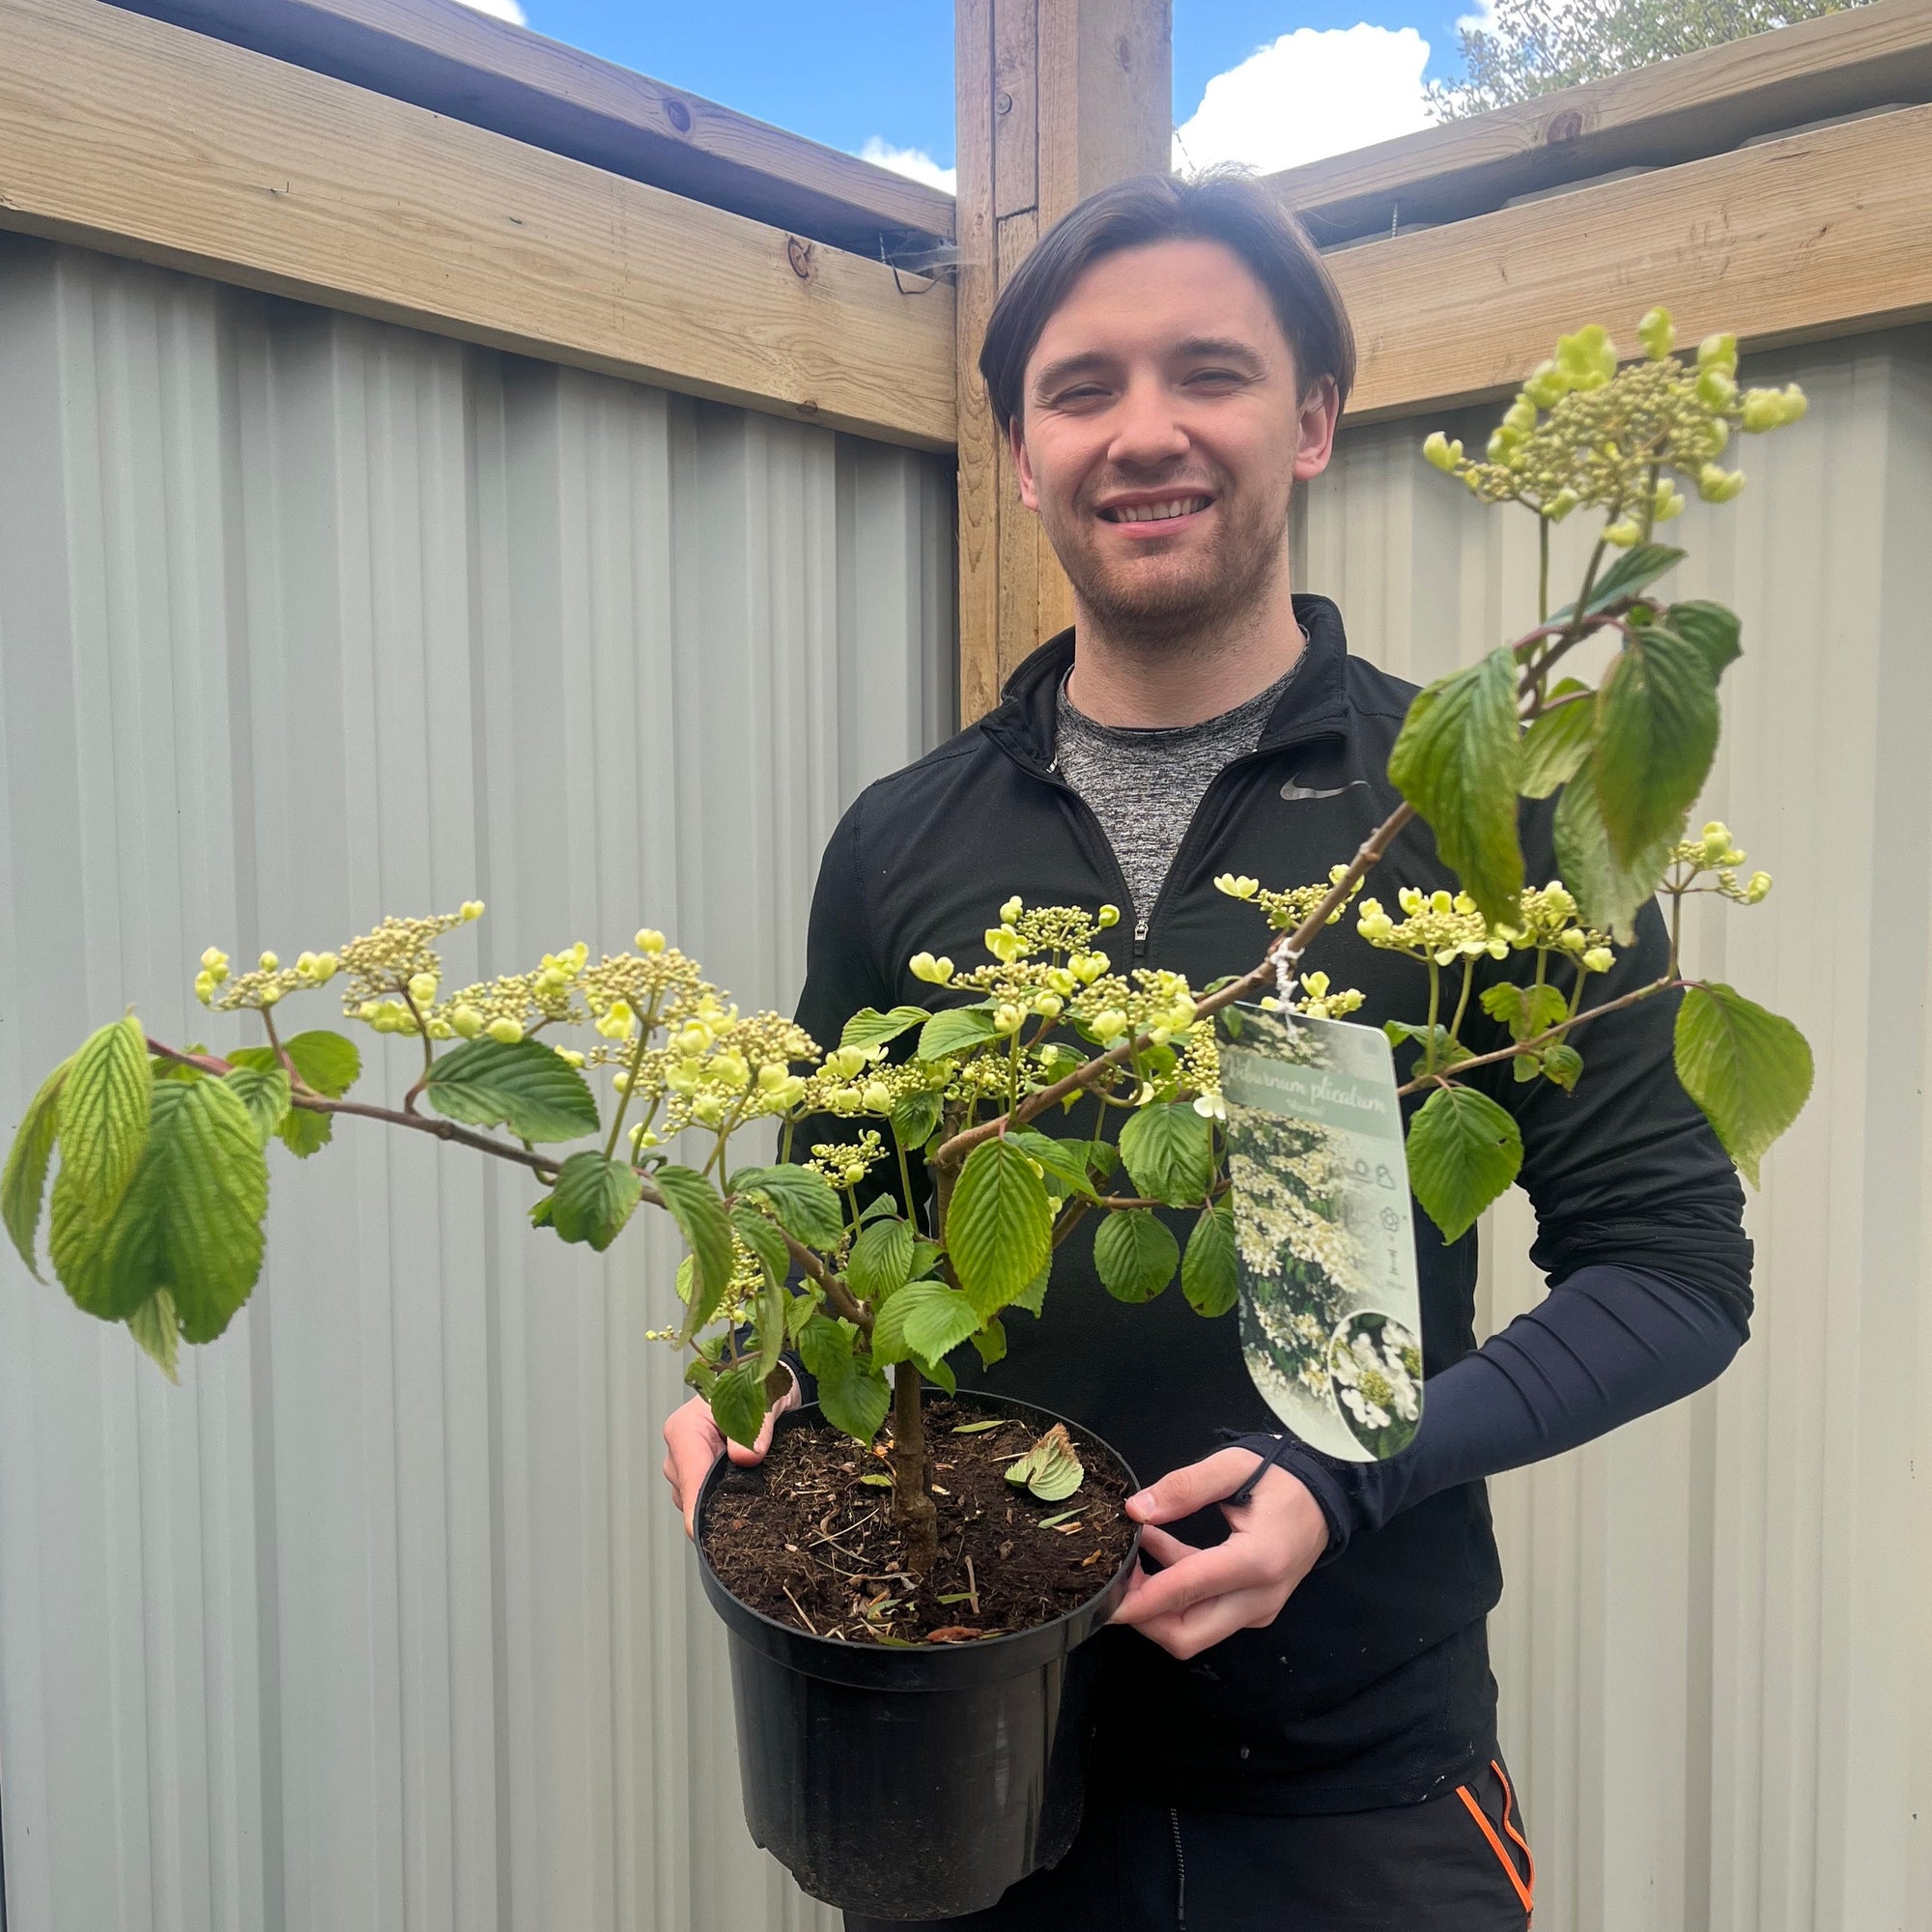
[1160,436]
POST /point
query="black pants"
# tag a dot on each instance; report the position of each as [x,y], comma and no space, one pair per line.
[1455,1863]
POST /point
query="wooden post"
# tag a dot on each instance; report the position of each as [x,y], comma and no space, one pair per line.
[1056,99]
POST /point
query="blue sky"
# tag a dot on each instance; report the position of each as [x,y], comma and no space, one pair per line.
[852,72]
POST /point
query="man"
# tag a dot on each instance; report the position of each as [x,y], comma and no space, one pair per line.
[1299,1724]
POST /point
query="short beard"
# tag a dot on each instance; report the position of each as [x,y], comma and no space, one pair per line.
[1157,617]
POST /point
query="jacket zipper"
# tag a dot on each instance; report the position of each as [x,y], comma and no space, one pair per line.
[1179,1874]
[1143,923]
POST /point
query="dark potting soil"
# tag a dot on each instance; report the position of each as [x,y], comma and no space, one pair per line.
[804,1539]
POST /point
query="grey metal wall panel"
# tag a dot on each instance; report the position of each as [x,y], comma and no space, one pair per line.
[382,1620]
[1715,1680]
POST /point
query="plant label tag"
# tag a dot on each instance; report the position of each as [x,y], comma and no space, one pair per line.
[1326,1249]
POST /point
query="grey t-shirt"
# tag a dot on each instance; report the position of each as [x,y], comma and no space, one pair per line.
[1145,783]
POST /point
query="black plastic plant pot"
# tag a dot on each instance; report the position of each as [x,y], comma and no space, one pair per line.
[916,1782]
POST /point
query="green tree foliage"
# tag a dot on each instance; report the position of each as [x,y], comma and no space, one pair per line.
[1538,46]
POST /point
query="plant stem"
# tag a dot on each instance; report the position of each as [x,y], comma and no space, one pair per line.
[1542,568]
[913,1507]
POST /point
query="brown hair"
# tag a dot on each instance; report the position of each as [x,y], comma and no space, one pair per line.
[1225,204]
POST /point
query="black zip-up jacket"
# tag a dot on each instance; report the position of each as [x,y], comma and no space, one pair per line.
[1373,1686]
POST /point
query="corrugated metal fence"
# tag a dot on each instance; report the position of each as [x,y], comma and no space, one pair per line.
[382,1620]
[1715,1672]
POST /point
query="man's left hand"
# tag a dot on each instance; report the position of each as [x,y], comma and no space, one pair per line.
[1202,1596]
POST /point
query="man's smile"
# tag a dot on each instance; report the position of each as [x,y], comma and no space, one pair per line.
[1150,515]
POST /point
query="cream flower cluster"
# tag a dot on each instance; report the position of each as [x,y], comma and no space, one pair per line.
[1582,432]
[1443,928]
[1715,851]
[1286,910]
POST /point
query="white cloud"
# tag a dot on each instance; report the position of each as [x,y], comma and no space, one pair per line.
[498,10]
[1308,95]
[914,162]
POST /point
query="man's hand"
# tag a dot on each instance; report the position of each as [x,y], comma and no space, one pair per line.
[1202,1596]
[692,1441]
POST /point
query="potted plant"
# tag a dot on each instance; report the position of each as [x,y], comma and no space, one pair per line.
[909,1577]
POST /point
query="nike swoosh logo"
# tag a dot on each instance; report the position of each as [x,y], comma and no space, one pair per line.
[1295,789]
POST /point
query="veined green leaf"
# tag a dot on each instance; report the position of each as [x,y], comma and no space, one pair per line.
[1712,629]
[999,1227]
[1032,1297]
[881,1260]
[925,1318]
[1135,1253]
[156,1327]
[24,1180]
[738,1404]
[868,1028]
[990,1343]
[1169,1150]
[1639,565]
[807,1204]
[954,1030]
[593,1197]
[1208,1278]
[915,1117]
[104,1105]
[1051,1469]
[700,1217]
[1458,762]
[1749,1069]
[523,1085]
[1561,1064]
[1527,1011]
[1463,1151]
[1657,733]
[857,1403]
[189,1220]
[328,1064]
[1610,892]
[1066,1161]
[1557,742]
[265,1092]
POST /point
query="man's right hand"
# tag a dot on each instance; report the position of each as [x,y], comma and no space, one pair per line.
[692,1441]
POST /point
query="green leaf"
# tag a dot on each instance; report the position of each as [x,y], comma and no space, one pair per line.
[1557,742]
[738,1404]
[881,1260]
[523,1085]
[1449,1050]
[1749,1069]
[1610,892]
[700,1217]
[954,1031]
[1526,1010]
[807,1204]
[1711,629]
[1208,1274]
[188,1221]
[1066,1161]
[926,1259]
[1032,1297]
[868,1028]
[763,1237]
[104,1105]
[1561,1063]
[925,1318]
[1135,1253]
[1657,733]
[327,1062]
[852,1395]
[1051,1469]
[24,1180]
[1169,1150]
[156,1327]
[1639,565]
[593,1197]
[1463,1151]
[999,1229]
[1458,762]
[825,1347]
[915,1117]
[990,1343]
[265,1092]
[979,1428]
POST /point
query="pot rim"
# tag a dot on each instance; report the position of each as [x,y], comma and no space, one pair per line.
[919,1667]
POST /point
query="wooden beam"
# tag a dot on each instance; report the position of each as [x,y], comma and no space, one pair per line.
[1056,99]
[138,138]
[458,62]
[1819,234]
[1679,111]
